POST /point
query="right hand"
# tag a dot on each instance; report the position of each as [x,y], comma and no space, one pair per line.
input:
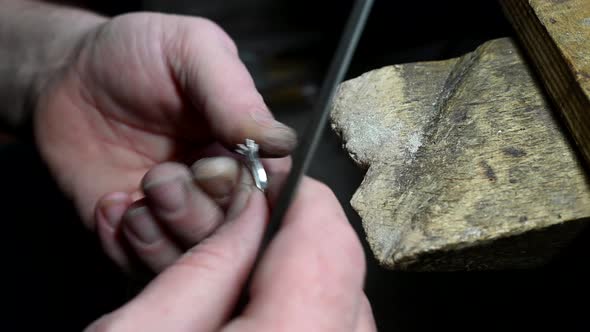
[309,279]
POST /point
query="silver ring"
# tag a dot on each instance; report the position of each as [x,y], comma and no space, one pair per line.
[250,151]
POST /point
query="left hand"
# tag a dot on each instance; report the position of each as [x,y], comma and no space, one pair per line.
[139,90]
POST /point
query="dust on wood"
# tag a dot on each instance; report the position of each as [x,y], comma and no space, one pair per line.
[467,167]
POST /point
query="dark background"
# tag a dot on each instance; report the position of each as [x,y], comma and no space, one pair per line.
[56,278]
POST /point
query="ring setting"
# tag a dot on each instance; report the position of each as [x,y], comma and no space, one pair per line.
[250,151]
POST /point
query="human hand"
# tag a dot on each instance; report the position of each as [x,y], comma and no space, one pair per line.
[139,90]
[182,207]
[309,279]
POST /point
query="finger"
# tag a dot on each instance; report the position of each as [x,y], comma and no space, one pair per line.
[182,207]
[148,239]
[278,165]
[365,320]
[277,172]
[108,215]
[198,292]
[212,172]
[214,149]
[217,177]
[311,276]
[206,64]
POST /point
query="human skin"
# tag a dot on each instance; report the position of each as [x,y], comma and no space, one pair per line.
[119,107]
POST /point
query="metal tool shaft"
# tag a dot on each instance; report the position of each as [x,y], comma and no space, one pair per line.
[307,147]
[311,138]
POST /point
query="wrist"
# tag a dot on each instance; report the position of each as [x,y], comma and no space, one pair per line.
[39,39]
[63,45]
[57,55]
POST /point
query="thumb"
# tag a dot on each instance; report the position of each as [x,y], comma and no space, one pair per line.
[198,292]
[212,75]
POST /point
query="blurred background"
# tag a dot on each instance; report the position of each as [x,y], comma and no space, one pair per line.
[287,46]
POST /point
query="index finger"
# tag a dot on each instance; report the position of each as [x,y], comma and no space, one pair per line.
[312,274]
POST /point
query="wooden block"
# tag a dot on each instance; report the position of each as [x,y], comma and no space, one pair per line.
[467,167]
[556,35]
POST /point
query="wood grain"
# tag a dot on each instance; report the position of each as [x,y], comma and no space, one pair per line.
[467,166]
[556,35]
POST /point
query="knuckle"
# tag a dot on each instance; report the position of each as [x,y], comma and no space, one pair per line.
[182,42]
[319,191]
[199,220]
[206,24]
[166,170]
[200,228]
[214,30]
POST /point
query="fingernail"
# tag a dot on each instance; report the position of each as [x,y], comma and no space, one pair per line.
[279,139]
[142,225]
[242,194]
[217,176]
[265,119]
[168,195]
[113,207]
